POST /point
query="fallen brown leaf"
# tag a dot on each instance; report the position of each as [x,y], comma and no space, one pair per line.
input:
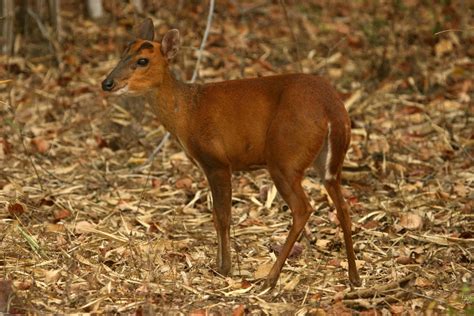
[23,285]
[263,270]
[404,260]
[184,183]
[41,144]
[16,209]
[61,214]
[198,312]
[295,252]
[411,221]
[51,276]
[444,46]
[54,228]
[422,282]
[239,310]
[397,309]
[334,262]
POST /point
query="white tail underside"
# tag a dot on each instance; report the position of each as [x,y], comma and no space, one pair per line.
[328,175]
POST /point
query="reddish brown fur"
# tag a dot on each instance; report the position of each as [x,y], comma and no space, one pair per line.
[280,123]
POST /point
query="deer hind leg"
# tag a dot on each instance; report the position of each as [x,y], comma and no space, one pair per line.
[289,186]
[333,187]
[290,152]
[329,165]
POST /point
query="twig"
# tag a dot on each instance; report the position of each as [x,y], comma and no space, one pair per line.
[298,56]
[204,39]
[156,150]
[255,7]
[330,50]
[453,30]
[150,159]
[237,250]
[376,291]
[441,302]
[377,301]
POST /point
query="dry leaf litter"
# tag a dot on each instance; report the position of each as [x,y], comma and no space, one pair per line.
[85,228]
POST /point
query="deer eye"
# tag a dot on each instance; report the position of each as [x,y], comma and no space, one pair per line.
[142,62]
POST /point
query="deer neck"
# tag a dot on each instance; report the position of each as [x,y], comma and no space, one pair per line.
[171,102]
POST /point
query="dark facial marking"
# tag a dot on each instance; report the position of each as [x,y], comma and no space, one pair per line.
[126,55]
[127,48]
[145,45]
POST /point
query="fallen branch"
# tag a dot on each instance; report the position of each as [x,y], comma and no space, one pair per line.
[156,150]
[377,291]
[368,304]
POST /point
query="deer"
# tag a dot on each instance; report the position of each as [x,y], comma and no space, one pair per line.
[284,123]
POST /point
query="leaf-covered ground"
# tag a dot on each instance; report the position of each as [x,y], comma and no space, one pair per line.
[84,229]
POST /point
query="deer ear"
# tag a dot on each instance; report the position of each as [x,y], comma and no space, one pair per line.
[170,44]
[146,30]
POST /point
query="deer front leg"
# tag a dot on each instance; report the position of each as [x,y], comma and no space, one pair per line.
[220,182]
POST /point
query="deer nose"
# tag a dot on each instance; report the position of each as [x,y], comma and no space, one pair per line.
[108,84]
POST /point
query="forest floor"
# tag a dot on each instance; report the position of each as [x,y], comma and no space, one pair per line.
[83,229]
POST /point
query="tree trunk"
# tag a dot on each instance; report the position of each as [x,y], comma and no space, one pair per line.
[95,8]
[8,24]
[55,16]
[138,4]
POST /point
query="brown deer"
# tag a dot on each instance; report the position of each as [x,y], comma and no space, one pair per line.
[284,123]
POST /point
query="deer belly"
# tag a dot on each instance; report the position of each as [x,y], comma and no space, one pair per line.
[246,156]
